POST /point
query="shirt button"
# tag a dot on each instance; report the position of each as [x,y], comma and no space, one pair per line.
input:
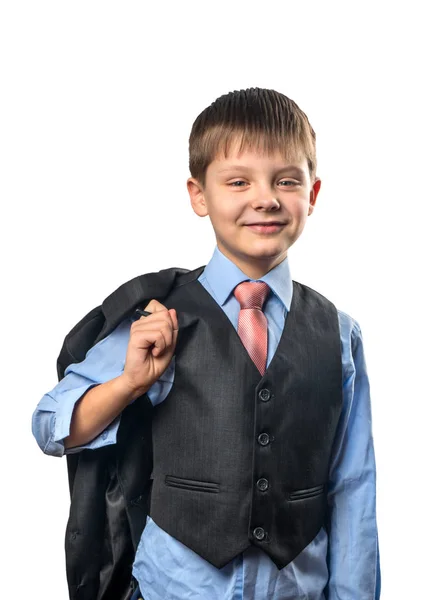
[259,533]
[262,484]
[264,395]
[263,439]
[104,435]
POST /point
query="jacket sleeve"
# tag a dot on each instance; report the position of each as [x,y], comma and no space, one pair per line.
[353,557]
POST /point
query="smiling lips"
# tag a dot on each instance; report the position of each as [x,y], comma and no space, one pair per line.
[267,227]
[267,223]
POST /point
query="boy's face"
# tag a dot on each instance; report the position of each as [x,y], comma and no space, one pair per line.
[255,188]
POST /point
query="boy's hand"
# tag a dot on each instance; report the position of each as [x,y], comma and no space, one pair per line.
[151,346]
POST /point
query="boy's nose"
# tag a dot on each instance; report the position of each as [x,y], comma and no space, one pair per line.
[266,200]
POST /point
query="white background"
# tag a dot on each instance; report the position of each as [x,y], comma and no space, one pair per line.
[97,103]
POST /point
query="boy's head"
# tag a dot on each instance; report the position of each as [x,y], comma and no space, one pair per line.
[253,160]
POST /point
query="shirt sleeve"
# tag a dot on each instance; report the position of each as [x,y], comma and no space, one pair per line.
[52,417]
[353,555]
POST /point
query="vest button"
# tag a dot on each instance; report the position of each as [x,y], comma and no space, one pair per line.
[264,395]
[262,484]
[259,533]
[263,439]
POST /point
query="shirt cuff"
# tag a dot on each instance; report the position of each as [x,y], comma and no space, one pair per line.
[106,438]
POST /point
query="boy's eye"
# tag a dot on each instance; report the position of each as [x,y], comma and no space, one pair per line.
[290,182]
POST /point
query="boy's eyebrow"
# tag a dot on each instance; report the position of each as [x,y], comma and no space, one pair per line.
[243,168]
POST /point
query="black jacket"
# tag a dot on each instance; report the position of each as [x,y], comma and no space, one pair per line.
[109,503]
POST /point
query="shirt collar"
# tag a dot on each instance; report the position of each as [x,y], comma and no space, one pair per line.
[223,275]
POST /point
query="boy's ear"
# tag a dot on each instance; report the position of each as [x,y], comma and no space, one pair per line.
[313,194]
[197,197]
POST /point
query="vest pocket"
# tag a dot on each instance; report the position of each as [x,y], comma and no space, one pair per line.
[308,493]
[191,484]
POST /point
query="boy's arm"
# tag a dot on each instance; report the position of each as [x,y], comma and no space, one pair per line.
[51,420]
[52,417]
[102,365]
[353,556]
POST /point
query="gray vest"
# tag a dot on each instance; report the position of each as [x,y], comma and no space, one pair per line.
[241,459]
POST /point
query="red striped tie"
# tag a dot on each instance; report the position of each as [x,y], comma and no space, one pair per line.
[252,322]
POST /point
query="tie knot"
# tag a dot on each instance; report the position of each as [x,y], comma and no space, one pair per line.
[251,294]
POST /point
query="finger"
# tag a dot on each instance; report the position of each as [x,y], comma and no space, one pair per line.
[145,339]
[155,306]
[174,318]
[166,340]
[174,337]
[160,321]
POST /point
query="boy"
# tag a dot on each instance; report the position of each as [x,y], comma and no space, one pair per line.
[263,462]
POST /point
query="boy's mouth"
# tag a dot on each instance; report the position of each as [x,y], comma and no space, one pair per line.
[267,223]
[268,227]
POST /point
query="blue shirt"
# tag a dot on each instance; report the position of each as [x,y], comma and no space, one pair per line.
[345,569]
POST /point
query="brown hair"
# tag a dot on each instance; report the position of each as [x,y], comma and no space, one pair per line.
[264,119]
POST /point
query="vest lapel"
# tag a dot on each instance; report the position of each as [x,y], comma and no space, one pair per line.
[198,294]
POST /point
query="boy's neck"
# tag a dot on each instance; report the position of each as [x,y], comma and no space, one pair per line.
[255,269]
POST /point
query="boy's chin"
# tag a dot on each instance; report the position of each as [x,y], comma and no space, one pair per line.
[265,249]
[262,256]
